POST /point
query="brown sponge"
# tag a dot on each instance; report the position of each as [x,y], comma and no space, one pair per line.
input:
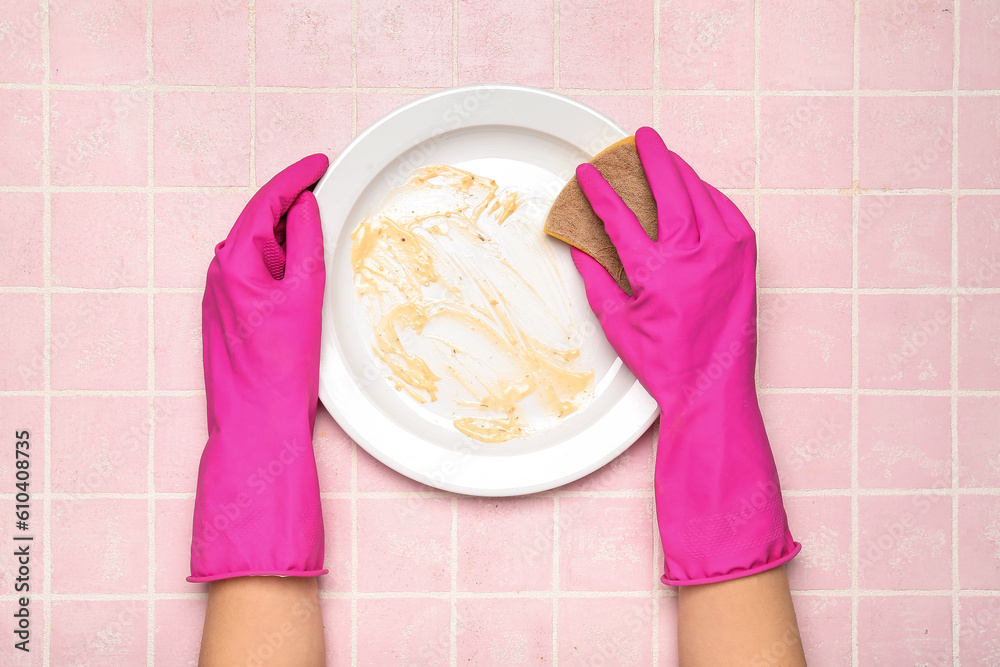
[571,218]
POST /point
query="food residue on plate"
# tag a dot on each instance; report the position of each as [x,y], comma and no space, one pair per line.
[467,304]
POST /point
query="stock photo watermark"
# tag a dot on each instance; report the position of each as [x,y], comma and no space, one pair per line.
[224,516]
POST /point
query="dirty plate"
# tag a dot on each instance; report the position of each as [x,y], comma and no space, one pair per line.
[522,138]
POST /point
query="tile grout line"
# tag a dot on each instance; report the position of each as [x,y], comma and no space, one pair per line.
[454,42]
[453,593]
[598,92]
[657,74]
[252,78]
[151,343]
[836,391]
[555,45]
[529,594]
[354,68]
[47,342]
[855,325]
[953,379]
[556,581]
[354,446]
[354,553]
[949,291]
[755,190]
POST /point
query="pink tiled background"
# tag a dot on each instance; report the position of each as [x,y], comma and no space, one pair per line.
[862,139]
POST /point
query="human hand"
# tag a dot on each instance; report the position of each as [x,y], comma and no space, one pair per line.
[696,277]
[257,509]
[688,333]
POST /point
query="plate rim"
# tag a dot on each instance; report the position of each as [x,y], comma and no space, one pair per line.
[349,428]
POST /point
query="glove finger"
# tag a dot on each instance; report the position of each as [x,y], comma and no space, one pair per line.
[304,246]
[627,235]
[732,217]
[274,258]
[706,214]
[254,229]
[602,290]
[675,219]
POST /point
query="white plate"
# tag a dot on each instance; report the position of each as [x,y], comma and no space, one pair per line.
[520,137]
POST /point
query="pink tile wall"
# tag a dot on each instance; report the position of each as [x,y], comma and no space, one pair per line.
[861,139]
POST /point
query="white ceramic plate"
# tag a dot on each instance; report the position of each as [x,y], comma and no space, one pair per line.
[520,137]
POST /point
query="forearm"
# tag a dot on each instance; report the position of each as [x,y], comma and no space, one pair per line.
[746,617]
[273,621]
[745,621]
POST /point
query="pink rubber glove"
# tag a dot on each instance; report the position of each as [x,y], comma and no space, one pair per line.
[257,511]
[688,333]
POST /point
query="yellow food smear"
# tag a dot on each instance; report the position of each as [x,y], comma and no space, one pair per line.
[406,277]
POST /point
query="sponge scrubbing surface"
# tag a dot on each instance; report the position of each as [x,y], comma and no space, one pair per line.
[571,218]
